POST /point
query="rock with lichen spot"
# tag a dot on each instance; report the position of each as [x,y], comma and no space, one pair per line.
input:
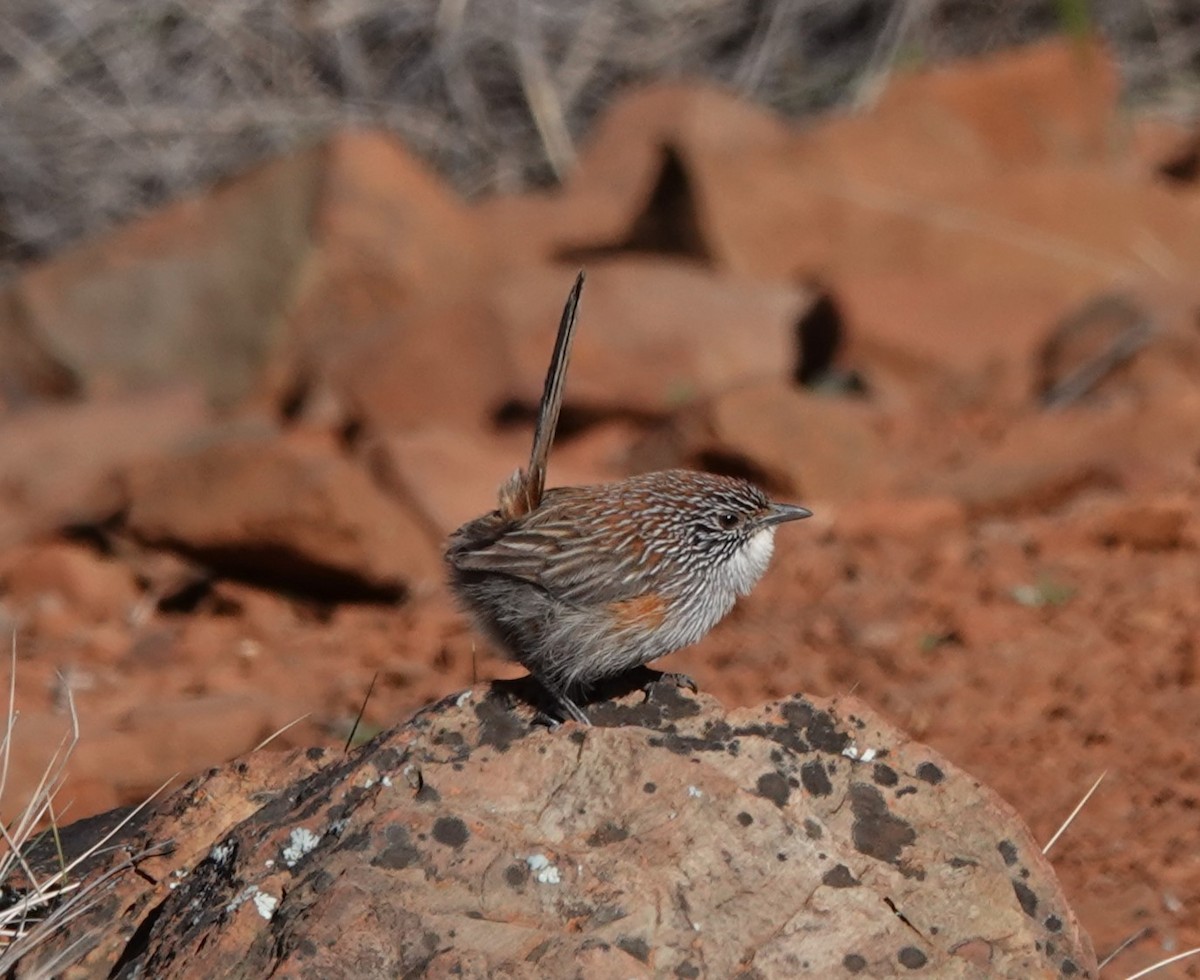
[673,838]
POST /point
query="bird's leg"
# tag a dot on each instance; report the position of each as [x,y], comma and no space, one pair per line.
[562,707]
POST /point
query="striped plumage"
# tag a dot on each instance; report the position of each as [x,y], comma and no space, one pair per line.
[582,583]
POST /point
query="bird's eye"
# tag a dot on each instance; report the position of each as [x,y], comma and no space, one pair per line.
[729,521]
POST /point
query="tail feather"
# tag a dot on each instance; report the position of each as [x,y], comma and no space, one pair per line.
[522,492]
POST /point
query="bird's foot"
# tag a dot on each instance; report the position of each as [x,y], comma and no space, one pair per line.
[557,709]
[672,678]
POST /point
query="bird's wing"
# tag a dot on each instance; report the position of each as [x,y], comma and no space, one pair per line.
[549,550]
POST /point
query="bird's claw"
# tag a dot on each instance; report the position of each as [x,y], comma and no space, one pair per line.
[674,679]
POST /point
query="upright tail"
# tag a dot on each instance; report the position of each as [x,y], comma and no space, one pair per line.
[522,492]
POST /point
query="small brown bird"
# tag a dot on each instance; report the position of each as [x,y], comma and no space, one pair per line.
[578,584]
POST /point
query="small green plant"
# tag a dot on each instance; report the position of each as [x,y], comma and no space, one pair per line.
[1046,591]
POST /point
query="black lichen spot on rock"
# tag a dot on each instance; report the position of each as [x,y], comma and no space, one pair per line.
[607,833]
[905,791]
[820,727]
[957,862]
[774,787]
[499,727]
[687,971]
[884,775]
[427,794]
[745,819]
[319,881]
[539,951]
[876,832]
[1026,897]
[315,754]
[854,963]
[649,788]
[578,737]
[930,773]
[360,840]
[839,876]
[390,759]
[812,829]
[605,913]
[1068,968]
[635,946]
[449,737]
[515,875]
[718,731]
[306,949]
[450,831]
[1008,851]
[815,779]
[399,853]
[1053,923]
[912,958]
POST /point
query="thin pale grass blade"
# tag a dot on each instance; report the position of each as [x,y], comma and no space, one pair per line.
[1163,963]
[12,715]
[79,904]
[1074,813]
[1124,945]
[40,800]
[279,731]
[25,938]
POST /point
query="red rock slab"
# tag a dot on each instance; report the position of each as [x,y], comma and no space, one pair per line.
[696,137]
[447,363]
[57,458]
[220,287]
[300,518]
[653,334]
[813,446]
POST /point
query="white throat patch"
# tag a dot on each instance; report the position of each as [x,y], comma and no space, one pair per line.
[746,567]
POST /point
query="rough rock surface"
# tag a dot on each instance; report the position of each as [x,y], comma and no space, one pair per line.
[802,838]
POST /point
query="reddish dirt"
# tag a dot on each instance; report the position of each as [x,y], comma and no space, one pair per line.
[1017,585]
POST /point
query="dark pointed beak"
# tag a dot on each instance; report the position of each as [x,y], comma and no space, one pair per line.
[781,513]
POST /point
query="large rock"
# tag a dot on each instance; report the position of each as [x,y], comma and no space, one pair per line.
[302,518]
[800,837]
[218,287]
[653,334]
[820,447]
[58,458]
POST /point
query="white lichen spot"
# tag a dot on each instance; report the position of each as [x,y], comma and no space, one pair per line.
[240,898]
[368,783]
[462,698]
[172,885]
[387,781]
[303,841]
[269,863]
[221,853]
[544,872]
[695,792]
[265,904]
[852,751]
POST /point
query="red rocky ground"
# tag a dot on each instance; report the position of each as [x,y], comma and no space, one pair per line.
[962,327]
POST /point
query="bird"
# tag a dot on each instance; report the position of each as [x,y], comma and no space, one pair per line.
[581,584]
